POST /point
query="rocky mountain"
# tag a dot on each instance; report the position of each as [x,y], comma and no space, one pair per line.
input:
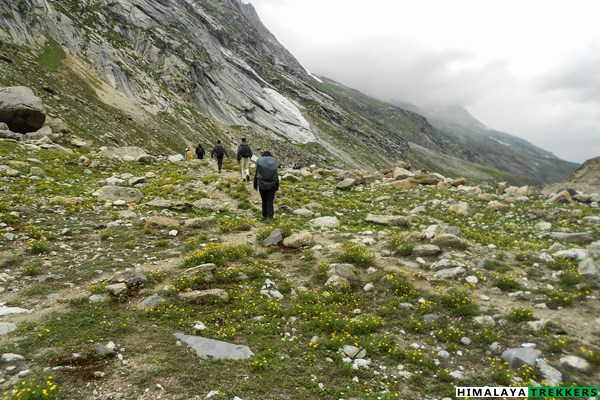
[585,179]
[468,138]
[168,74]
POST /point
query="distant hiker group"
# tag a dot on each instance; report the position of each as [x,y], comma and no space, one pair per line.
[266,178]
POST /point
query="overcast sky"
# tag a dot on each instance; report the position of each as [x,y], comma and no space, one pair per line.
[527,67]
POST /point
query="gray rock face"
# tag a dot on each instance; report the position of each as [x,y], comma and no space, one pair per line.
[210,348]
[521,355]
[117,193]
[21,110]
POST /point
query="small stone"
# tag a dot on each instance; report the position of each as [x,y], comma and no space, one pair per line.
[368,287]
[465,340]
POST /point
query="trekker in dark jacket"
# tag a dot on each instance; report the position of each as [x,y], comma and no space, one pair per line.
[244,154]
[219,151]
[266,180]
[200,152]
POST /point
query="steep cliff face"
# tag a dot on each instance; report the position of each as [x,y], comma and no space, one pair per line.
[168,51]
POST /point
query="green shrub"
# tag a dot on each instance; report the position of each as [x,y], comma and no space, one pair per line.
[508,283]
[521,314]
[356,254]
[459,302]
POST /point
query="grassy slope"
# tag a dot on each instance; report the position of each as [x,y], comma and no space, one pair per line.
[74,240]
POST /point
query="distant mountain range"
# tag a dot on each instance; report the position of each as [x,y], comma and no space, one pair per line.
[167,74]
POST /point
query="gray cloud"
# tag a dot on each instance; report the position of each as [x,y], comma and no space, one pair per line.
[579,75]
[387,68]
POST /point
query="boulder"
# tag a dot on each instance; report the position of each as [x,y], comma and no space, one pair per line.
[44,131]
[403,184]
[116,193]
[7,327]
[449,273]
[460,208]
[21,110]
[426,250]
[344,271]
[151,302]
[304,212]
[392,220]
[209,204]
[208,349]
[210,294]
[346,184]
[401,173]
[551,375]
[425,179]
[448,241]
[563,197]
[577,363]
[522,355]
[274,237]
[578,237]
[157,221]
[325,222]
[298,240]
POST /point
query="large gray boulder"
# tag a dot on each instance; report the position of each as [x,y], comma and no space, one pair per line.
[21,110]
[392,220]
[210,348]
[577,237]
[116,193]
[522,355]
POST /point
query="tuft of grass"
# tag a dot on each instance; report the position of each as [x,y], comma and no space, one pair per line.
[356,254]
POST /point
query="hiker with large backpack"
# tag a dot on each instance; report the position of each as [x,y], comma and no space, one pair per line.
[244,154]
[218,152]
[266,181]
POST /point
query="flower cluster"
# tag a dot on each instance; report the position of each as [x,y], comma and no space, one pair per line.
[33,390]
